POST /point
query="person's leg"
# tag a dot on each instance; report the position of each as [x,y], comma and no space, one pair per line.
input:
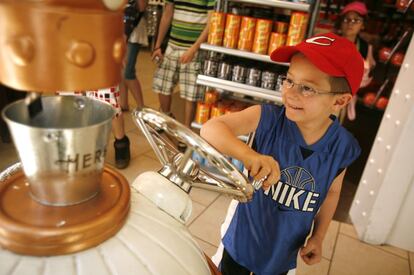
[123,96]
[189,89]
[135,87]
[190,107]
[165,103]
[165,78]
[121,143]
[118,129]
[131,81]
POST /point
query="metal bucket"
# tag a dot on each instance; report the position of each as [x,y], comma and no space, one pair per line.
[63,148]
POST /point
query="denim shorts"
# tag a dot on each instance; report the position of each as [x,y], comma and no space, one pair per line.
[131,60]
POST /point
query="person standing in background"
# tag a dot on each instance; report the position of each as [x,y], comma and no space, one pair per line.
[351,22]
[181,62]
[130,80]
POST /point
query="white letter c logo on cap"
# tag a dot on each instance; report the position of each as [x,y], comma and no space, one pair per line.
[321,40]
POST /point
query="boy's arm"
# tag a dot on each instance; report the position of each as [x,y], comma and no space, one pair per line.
[165,23]
[312,252]
[189,54]
[221,132]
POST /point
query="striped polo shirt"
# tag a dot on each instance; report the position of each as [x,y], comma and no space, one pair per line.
[189,19]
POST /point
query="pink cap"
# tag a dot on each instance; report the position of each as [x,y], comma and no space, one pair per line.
[358,7]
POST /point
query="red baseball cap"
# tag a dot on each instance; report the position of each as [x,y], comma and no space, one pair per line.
[330,53]
[358,7]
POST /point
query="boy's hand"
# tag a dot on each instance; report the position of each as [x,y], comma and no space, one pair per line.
[261,166]
[187,56]
[312,252]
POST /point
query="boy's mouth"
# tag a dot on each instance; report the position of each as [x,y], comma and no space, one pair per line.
[294,107]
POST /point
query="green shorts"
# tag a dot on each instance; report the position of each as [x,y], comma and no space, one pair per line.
[171,71]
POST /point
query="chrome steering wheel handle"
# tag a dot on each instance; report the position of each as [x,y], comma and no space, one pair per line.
[179,168]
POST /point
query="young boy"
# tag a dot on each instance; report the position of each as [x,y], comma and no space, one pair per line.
[302,153]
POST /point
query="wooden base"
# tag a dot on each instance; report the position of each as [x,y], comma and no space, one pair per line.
[31,228]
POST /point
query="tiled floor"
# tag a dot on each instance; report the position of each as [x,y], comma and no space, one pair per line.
[343,253]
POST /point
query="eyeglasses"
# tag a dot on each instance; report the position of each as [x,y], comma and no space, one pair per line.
[352,20]
[306,91]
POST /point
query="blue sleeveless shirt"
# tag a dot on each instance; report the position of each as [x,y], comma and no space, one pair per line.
[265,234]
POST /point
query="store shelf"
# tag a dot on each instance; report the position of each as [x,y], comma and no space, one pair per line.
[196,125]
[277,4]
[244,54]
[239,88]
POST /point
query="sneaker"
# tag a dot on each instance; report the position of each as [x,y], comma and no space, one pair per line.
[122,153]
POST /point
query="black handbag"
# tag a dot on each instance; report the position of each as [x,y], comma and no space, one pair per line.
[132,16]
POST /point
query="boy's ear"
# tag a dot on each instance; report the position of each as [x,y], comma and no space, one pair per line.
[341,101]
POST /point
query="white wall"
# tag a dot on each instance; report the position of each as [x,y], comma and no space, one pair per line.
[384,199]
